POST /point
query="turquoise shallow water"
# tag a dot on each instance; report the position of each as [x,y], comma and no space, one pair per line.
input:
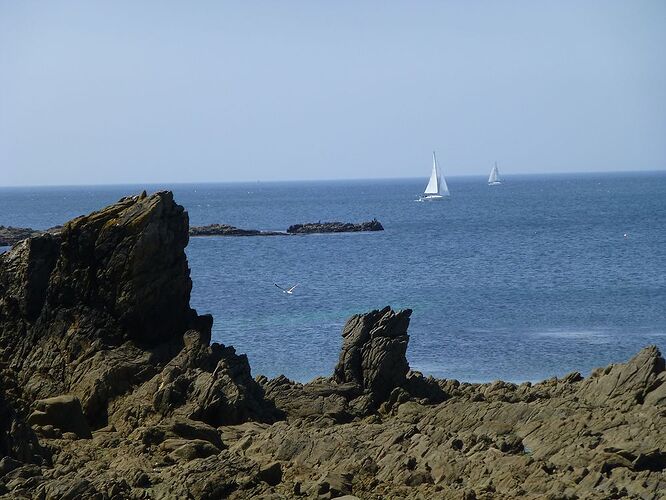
[523,281]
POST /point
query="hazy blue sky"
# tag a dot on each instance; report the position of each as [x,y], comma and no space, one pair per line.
[141,91]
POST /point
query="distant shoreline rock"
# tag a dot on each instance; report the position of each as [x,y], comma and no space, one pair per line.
[307,228]
[335,227]
[228,230]
[9,235]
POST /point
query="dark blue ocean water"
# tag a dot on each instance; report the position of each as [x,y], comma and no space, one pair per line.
[524,281]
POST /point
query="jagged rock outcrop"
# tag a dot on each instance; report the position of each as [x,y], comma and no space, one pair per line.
[372,371]
[335,227]
[102,308]
[78,310]
[374,351]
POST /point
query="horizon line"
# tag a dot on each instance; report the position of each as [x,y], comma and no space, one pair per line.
[359,179]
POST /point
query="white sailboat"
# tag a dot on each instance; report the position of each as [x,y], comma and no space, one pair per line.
[436,188]
[494,178]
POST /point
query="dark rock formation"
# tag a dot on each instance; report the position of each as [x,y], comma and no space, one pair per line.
[335,227]
[227,230]
[372,370]
[102,308]
[108,281]
[97,341]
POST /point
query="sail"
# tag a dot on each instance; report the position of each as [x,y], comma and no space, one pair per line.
[494,175]
[433,183]
[443,188]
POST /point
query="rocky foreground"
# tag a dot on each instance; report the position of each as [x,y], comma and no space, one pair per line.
[110,388]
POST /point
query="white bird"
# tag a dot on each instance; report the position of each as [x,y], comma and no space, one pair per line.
[288,290]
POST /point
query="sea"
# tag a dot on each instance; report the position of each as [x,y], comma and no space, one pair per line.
[538,277]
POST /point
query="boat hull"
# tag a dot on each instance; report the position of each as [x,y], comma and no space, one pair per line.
[496,183]
[433,197]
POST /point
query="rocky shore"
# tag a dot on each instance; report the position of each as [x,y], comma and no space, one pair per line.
[111,388]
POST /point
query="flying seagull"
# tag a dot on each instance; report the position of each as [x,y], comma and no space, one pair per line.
[289,290]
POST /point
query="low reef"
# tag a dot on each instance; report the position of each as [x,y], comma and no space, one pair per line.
[308,228]
[227,230]
[111,388]
[335,227]
[9,236]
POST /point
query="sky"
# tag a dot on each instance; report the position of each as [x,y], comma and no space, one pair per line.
[163,91]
